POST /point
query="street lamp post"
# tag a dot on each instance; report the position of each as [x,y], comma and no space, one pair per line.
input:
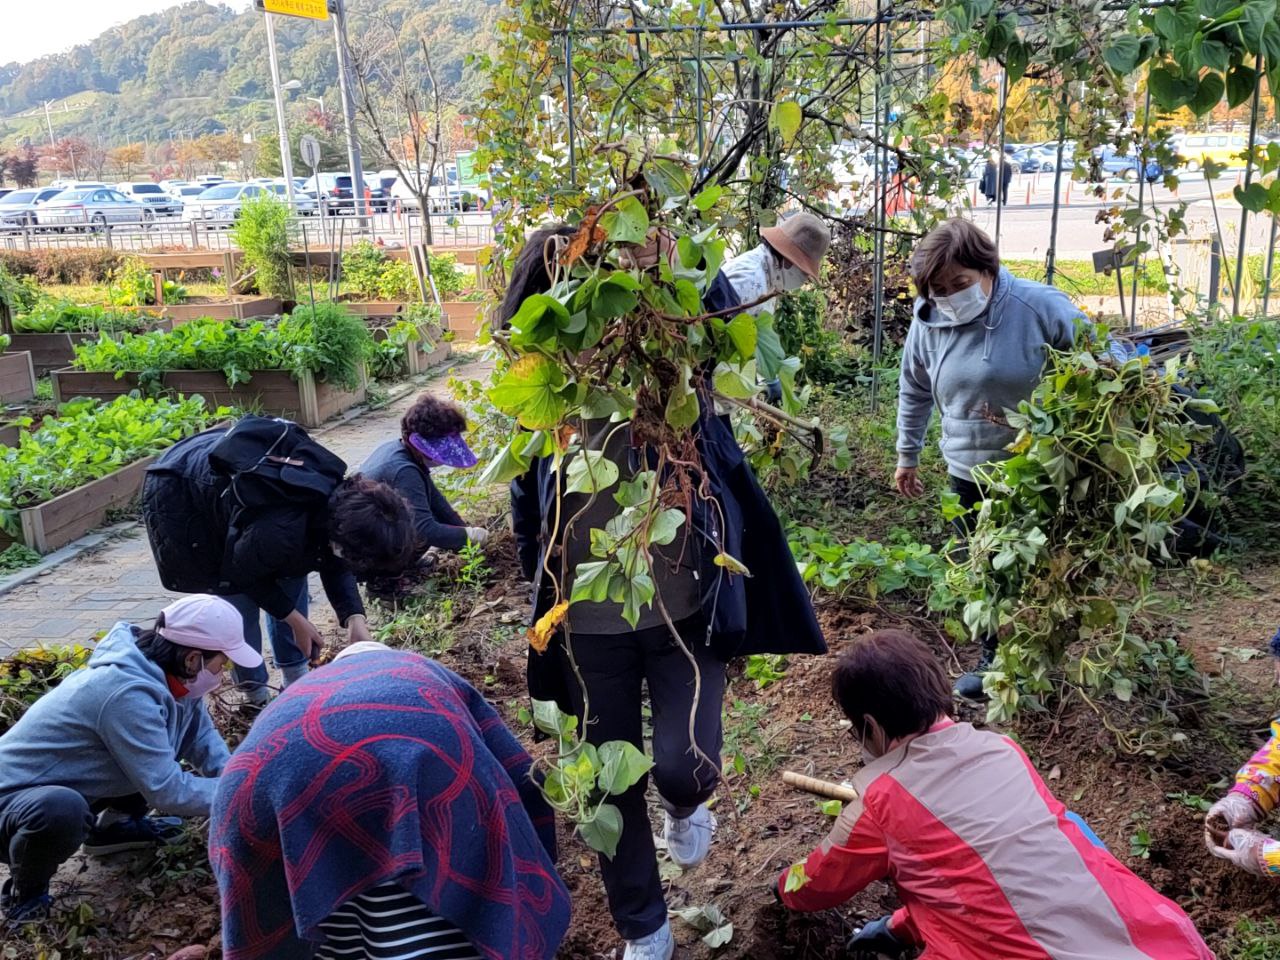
[286,157]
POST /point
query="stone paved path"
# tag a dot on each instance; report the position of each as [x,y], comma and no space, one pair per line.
[83,597]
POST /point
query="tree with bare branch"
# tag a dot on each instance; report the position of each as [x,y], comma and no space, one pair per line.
[399,107]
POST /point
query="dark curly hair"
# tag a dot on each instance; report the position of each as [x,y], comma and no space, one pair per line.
[432,418]
[372,526]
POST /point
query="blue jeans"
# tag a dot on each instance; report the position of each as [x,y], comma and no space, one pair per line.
[283,650]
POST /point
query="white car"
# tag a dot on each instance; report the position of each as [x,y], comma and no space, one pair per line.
[303,205]
[221,203]
[153,195]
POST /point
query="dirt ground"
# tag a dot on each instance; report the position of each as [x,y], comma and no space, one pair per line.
[147,906]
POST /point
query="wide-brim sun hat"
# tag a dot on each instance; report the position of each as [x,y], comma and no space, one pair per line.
[803,239]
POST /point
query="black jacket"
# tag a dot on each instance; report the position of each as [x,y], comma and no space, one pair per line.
[436,522]
[198,549]
[770,614]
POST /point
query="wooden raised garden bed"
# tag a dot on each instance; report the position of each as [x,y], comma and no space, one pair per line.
[270,392]
[463,317]
[17,377]
[374,309]
[424,353]
[9,434]
[52,351]
[68,517]
[245,309]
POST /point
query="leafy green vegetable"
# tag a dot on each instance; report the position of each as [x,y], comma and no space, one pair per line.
[324,340]
[87,440]
[65,316]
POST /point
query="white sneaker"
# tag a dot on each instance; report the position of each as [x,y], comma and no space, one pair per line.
[659,945]
[689,839]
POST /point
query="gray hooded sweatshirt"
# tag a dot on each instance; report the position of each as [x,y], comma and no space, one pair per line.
[115,729]
[972,372]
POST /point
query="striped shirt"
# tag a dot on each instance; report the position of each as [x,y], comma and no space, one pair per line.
[387,922]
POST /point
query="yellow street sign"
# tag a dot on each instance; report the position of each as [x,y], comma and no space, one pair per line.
[311,9]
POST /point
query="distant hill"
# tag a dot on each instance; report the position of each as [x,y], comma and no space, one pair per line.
[199,68]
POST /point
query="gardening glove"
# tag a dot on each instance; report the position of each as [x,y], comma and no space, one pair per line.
[875,939]
[1245,848]
[477,535]
[1237,809]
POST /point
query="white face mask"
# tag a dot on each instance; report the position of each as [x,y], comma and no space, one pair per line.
[969,304]
[205,682]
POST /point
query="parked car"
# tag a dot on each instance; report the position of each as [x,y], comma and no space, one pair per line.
[303,205]
[153,195]
[18,207]
[92,208]
[1126,166]
[221,203]
[5,191]
[77,184]
[188,191]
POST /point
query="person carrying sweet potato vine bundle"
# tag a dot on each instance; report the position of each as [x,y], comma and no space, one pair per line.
[985,859]
[716,615]
[976,347]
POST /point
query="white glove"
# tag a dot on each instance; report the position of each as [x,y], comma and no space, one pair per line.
[477,535]
[1237,809]
[1244,849]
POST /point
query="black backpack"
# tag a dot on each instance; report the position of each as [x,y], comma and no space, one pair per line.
[269,460]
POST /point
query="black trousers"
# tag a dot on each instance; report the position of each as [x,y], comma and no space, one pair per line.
[613,667]
[970,496]
[40,827]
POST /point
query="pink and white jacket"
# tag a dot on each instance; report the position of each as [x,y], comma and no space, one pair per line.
[986,862]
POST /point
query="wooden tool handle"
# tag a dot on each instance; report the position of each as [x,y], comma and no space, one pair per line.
[822,788]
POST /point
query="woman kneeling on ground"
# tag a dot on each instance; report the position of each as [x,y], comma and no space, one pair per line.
[110,741]
[379,808]
[986,861]
[976,348]
[430,436]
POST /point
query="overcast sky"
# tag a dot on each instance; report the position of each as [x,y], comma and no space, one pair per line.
[33,29]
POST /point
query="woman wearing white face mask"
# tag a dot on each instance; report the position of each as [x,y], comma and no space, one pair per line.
[789,256]
[109,741]
[975,349]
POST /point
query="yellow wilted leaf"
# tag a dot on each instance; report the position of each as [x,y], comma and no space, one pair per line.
[540,633]
[732,564]
[1022,444]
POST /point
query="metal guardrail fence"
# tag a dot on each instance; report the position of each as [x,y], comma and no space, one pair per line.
[398,227]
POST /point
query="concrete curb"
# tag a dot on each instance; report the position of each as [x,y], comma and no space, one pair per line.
[96,539]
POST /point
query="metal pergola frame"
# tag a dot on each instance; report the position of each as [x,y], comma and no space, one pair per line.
[883,21]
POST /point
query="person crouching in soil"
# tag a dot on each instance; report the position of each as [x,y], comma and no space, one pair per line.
[92,756]
[379,808]
[1231,825]
[430,436]
[986,861]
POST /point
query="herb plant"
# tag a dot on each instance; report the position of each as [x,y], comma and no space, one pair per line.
[87,440]
[132,286]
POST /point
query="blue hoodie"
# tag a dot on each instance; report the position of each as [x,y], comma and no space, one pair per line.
[114,729]
[972,372]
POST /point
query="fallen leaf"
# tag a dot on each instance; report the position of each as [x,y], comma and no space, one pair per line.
[1055,773]
[540,633]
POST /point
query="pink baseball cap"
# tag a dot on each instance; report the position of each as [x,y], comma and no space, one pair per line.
[205,622]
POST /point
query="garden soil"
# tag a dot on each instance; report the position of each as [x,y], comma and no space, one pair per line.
[144,906]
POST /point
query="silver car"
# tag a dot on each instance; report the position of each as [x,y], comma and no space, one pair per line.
[18,208]
[303,205]
[91,209]
[221,203]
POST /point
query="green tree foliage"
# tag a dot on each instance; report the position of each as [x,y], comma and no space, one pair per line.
[198,67]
